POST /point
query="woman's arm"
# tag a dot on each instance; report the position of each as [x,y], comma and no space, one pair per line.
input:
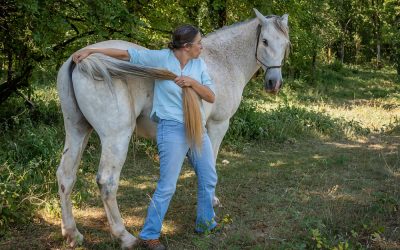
[116,53]
[204,92]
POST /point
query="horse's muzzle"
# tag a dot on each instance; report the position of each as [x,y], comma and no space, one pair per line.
[273,86]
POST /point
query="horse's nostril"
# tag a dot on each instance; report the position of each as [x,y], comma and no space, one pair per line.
[270,83]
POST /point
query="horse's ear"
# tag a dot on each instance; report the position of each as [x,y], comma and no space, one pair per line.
[284,19]
[260,16]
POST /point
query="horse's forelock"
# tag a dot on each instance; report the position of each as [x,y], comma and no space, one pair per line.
[279,25]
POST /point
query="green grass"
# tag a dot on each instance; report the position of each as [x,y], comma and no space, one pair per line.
[316,167]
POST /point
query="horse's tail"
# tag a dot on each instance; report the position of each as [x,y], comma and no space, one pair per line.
[101,67]
[69,105]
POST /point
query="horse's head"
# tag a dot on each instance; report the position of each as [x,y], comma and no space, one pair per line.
[272,48]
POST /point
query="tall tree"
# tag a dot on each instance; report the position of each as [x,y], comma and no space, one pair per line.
[391,31]
[29,37]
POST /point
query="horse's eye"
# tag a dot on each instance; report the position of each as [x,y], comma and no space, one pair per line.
[265,42]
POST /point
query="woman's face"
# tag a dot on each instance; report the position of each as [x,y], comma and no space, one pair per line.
[195,47]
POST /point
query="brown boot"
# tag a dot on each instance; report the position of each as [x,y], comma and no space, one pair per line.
[152,244]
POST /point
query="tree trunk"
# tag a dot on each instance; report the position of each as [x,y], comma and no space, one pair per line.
[219,14]
[329,55]
[397,61]
[222,16]
[342,52]
[314,67]
[9,66]
[377,5]
[378,54]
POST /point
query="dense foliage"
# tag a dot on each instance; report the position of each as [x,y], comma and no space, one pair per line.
[38,35]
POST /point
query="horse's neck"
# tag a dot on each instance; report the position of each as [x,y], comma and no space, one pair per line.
[235,45]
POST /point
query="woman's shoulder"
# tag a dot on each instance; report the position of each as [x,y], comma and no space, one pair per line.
[148,57]
[153,51]
[199,62]
[165,51]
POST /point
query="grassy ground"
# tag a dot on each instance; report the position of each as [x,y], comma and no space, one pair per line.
[322,172]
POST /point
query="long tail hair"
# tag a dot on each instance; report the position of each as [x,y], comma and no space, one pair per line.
[101,67]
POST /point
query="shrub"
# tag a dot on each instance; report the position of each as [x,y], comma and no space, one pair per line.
[31,141]
[29,157]
[336,66]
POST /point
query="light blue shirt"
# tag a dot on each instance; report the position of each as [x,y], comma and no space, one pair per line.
[167,101]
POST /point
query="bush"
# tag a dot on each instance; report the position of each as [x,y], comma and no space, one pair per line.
[31,141]
[336,66]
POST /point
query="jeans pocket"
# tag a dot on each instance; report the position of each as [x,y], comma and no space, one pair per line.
[173,131]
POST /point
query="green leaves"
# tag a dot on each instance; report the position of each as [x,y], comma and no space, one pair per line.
[35,31]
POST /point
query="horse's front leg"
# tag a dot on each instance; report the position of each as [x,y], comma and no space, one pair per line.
[216,131]
[113,155]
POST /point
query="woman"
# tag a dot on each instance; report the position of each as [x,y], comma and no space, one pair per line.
[182,58]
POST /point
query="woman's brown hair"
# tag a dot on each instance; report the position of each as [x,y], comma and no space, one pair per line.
[183,35]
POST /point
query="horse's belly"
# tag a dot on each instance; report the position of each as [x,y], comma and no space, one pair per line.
[145,127]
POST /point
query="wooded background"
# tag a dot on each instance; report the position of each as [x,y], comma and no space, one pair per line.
[37,36]
[315,167]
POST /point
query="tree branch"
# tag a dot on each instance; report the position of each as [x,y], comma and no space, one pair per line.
[72,39]
[27,101]
[7,88]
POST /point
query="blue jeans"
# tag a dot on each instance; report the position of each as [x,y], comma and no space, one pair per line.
[172,149]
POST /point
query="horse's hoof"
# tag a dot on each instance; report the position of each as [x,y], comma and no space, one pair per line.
[216,202]
[74,239]
[128,241]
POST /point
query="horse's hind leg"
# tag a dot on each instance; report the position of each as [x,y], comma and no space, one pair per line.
[113,155]
[76,138]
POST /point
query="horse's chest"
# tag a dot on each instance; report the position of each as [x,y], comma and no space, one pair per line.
[227,101]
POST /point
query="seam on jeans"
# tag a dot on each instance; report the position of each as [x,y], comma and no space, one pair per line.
[201,186]
[162,131]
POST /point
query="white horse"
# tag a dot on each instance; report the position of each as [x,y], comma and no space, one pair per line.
[232,54]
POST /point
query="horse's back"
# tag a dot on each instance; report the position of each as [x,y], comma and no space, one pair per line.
[108,110]
[116,44]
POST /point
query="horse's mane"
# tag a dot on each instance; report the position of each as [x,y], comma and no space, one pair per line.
[227,27]
[277,21]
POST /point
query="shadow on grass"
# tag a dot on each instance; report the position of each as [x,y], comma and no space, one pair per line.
[347,191]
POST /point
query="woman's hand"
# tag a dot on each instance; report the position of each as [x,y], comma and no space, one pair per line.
[184,81]
[204,92]
[80,55]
